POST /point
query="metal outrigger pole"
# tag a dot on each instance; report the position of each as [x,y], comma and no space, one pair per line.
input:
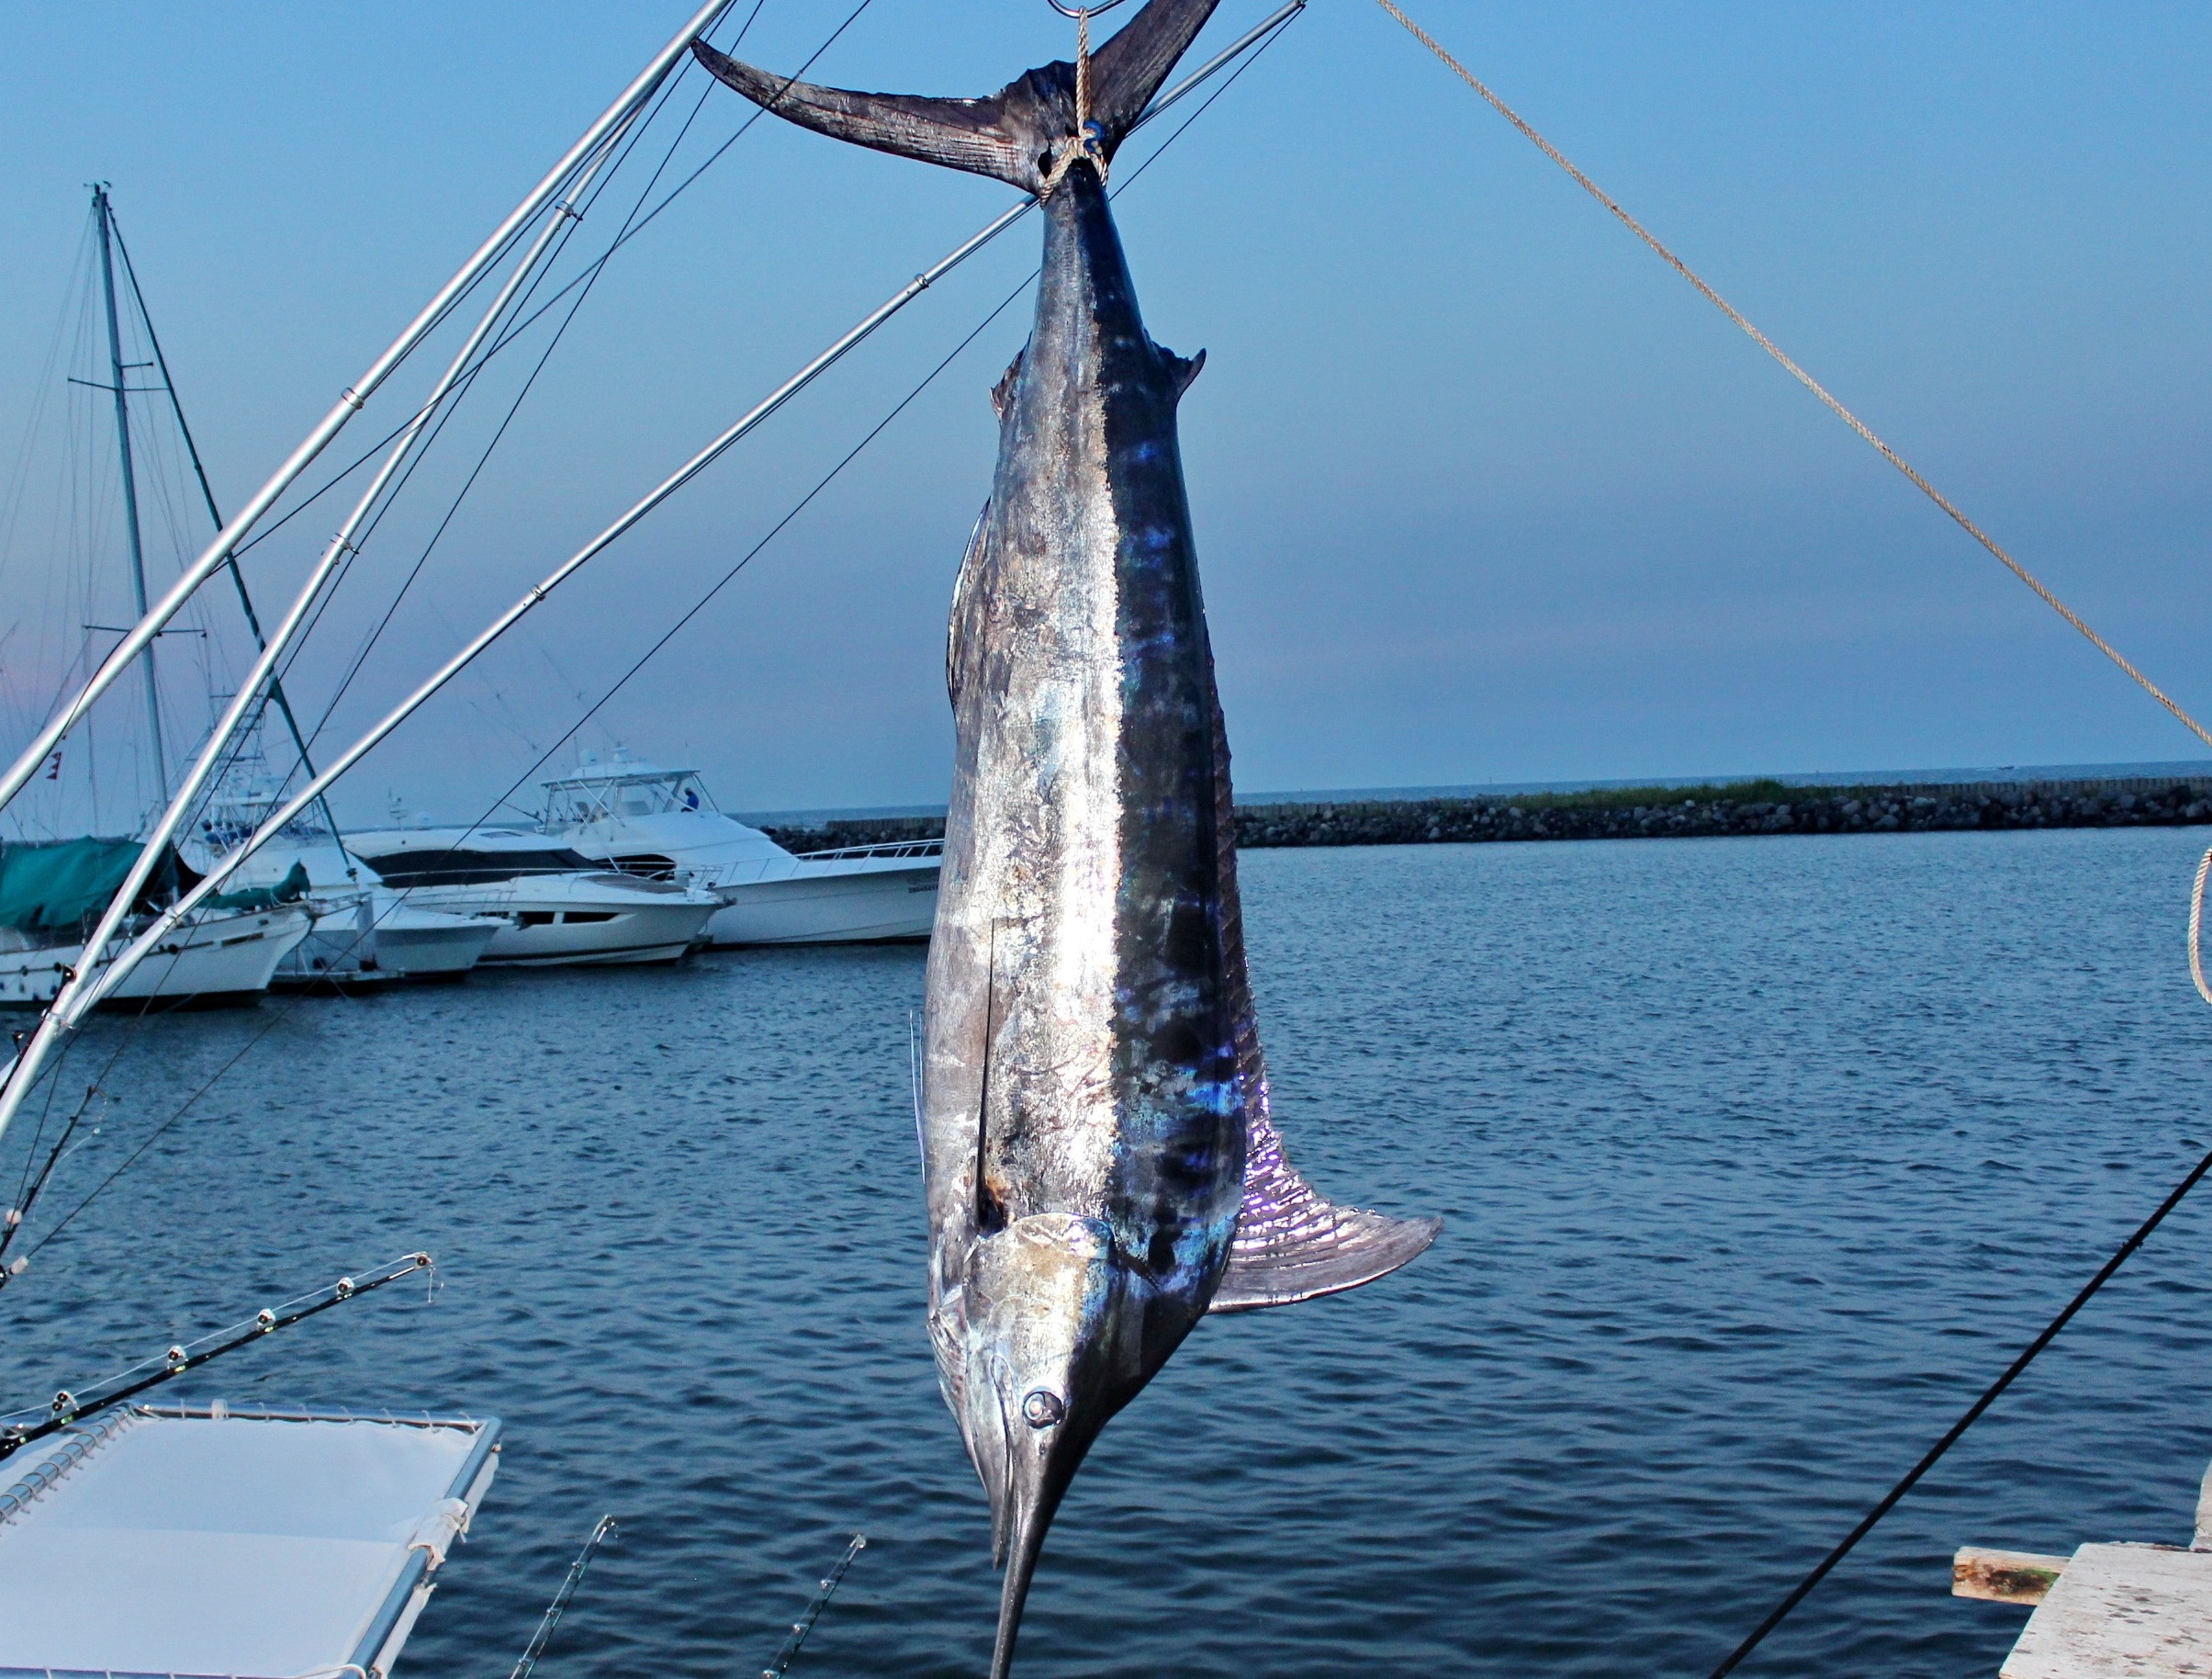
[355,398]
[83,988]
[83,994]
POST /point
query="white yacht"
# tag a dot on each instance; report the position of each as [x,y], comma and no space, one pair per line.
[363,929]
[226,955]
[553,906]
[660,824]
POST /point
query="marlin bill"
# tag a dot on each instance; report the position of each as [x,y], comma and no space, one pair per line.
[1100,1167]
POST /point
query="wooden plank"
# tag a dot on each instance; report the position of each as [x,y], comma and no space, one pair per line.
[2121,1612]
[2004,1576]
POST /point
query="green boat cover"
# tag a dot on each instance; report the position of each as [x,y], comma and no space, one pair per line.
[289,890]
[56,886]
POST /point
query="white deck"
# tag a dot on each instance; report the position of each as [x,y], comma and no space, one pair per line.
[2121,1612]
[257,1545]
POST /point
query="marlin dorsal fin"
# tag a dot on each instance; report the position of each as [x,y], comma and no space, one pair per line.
[1013,135]
[1292,1244]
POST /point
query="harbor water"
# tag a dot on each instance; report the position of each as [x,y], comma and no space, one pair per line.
[1759,1158]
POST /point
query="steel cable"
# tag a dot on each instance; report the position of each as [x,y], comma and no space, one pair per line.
[1804,378]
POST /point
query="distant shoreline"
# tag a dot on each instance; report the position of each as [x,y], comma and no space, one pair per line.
[1649,810]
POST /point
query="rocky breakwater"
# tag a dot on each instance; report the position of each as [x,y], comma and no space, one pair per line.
[839,833]
[1731,810]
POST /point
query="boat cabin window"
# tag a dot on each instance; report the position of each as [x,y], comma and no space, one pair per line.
[460,866]
[627,798]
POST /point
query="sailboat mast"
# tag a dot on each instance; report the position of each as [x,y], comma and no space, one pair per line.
[130,487]
[238,577]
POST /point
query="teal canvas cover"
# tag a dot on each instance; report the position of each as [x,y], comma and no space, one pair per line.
[289,890]
[55,887]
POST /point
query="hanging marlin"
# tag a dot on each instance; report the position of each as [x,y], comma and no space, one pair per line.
[1100,1167]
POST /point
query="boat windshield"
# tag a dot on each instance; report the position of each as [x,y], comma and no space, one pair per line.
[623,797]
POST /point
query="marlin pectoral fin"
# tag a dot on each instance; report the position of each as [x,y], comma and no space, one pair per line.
[1292,1244]
[959,635]
[1002,393]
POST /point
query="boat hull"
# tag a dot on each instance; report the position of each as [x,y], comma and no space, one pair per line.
[432,953]
[830,906]
[552,929]
[225,962]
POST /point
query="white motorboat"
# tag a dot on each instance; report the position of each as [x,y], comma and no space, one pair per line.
[49,890]
[660,824]
[554,907]
[363,929]
[214,961]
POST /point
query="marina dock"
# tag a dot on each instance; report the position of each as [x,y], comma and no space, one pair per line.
[2128,1610]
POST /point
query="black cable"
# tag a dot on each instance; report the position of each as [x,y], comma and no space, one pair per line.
[1973,1412]
[514,407]
[501,339]
[266,531]
[456,397]
[774,531]
[279,1015]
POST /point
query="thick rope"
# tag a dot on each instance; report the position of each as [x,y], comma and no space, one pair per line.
[1806,379]
[1087,143]
[2196,923]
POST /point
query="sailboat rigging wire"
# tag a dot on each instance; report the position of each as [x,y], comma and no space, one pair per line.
[805,1623]
[1802,377]
[1260,38]
[1972,1413]
[199,472]
[590,277]
[356,396]
[62,1012]
[601,1534]
[17,1430]
[1264,36]
[224,744]
[346,547]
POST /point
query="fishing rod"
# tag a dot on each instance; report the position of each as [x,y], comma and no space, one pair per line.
[82,1000]
[356,396]
[805,1623]
[19,1429]
[154,848]
[604,1531]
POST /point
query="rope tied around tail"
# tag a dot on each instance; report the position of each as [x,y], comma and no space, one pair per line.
[1088,142]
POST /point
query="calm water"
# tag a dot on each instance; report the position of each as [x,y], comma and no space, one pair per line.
[1759,1158]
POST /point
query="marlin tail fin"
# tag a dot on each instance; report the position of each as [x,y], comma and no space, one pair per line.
[1012,136]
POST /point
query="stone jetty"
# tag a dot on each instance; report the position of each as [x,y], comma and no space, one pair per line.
[1733,809]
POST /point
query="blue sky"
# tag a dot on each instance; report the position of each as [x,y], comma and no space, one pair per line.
[1483,492]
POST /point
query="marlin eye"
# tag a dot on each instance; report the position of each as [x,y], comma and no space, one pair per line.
[1043,1408]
